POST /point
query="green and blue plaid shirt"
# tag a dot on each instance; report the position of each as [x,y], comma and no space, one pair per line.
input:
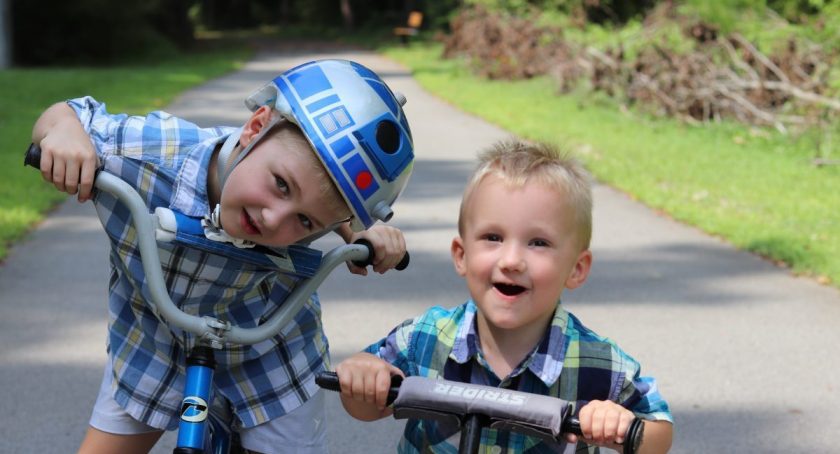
[571,363]
[166,160]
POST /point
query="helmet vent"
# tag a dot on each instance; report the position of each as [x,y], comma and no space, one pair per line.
[388,136]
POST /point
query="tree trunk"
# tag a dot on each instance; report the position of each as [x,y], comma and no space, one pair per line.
[5,35]
[347,14]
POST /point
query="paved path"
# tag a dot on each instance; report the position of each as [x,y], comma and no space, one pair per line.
[745,353]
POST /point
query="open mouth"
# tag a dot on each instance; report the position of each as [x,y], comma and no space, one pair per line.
[509,289]
[248,224]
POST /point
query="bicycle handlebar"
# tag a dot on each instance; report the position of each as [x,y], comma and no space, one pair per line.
[212,330]
[437,397]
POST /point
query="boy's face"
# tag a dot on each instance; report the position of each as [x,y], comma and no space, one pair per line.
[274,197]
[518,251]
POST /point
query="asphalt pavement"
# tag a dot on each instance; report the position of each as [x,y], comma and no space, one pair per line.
[745,353]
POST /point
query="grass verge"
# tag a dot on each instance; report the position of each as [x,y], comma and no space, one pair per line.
[132,88]
[757,189]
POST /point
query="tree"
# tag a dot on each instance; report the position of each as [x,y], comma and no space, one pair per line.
[347,14]
[5,36]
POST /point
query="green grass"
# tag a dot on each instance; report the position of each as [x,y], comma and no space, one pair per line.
[757,189]
[132,88]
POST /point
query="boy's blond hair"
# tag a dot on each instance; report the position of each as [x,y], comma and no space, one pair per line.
[517,162]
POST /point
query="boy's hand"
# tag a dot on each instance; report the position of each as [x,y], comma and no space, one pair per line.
[68,159]
[603,423]
[366,379]
[388,245]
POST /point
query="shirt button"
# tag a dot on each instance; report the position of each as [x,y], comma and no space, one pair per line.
[496,450]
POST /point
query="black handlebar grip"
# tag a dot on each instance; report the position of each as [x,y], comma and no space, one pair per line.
[632,439]
[33,156]
[363,263]
[329,380]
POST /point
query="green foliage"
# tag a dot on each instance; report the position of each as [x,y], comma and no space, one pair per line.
[757,189]
[771,23]
[520,7]
[601,11]
[132,88]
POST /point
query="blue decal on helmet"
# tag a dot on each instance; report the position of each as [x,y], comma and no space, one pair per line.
[391,162]
[342,146]
[309,81]
[321,103]
[334,121]
[385,95]
[361,176]
[363,71]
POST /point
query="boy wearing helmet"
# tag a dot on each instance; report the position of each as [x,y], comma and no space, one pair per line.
[327,148]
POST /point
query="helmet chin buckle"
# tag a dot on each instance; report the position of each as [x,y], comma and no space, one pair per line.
[382,211]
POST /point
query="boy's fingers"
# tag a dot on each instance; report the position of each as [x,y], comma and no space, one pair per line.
[623,426]
[58,175]
[357,387]
[392,251]
[370,389]
[71,178]
[598,425]
[344,381]
[383,384]
[46,165]
[86,182]
[356,269]
[611,426]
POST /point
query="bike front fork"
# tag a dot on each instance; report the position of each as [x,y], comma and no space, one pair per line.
[195,407]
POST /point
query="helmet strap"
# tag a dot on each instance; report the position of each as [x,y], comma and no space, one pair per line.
[223,165]
[223,158]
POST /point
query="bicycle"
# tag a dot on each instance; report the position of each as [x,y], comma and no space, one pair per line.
[473,407]
[200,426]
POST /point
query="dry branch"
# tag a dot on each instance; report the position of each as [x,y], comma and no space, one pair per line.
[724,77]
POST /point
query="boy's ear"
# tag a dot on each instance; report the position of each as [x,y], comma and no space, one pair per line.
[457,250]
[581,270]
[254,125]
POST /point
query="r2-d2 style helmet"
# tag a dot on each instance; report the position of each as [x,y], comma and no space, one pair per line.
[356,126]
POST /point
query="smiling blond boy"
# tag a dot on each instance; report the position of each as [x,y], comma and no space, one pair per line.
[523,238]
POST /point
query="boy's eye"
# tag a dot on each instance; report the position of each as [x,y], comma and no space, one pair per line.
[539,243]
[281,184]
[305,221]
[492,237]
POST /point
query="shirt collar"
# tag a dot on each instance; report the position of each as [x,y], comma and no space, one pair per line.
[190,188]
[545,362]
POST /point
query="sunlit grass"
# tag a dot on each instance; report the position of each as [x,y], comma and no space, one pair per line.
[26,92]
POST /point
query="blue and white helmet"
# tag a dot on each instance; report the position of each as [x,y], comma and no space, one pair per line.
[355,124]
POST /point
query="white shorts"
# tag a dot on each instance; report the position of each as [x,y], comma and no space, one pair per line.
[301,431]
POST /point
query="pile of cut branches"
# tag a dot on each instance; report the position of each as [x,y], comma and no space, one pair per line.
[502,46]
[722,77]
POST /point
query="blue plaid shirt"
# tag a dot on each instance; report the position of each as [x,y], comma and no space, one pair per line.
[166,160]
[571,363]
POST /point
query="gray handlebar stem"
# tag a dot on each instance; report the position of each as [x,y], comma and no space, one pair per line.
[214,331]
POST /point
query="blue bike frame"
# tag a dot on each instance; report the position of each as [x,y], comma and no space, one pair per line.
[195,407]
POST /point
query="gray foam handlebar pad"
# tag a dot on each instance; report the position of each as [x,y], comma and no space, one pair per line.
[532,414]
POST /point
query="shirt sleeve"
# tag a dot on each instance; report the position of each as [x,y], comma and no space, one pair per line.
[641,395]
[156,137]
[395,347]
[101,126]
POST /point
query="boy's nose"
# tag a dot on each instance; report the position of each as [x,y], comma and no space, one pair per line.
[512,258]
[273,217]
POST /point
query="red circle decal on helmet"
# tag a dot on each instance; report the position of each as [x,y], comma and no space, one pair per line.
[363,179]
